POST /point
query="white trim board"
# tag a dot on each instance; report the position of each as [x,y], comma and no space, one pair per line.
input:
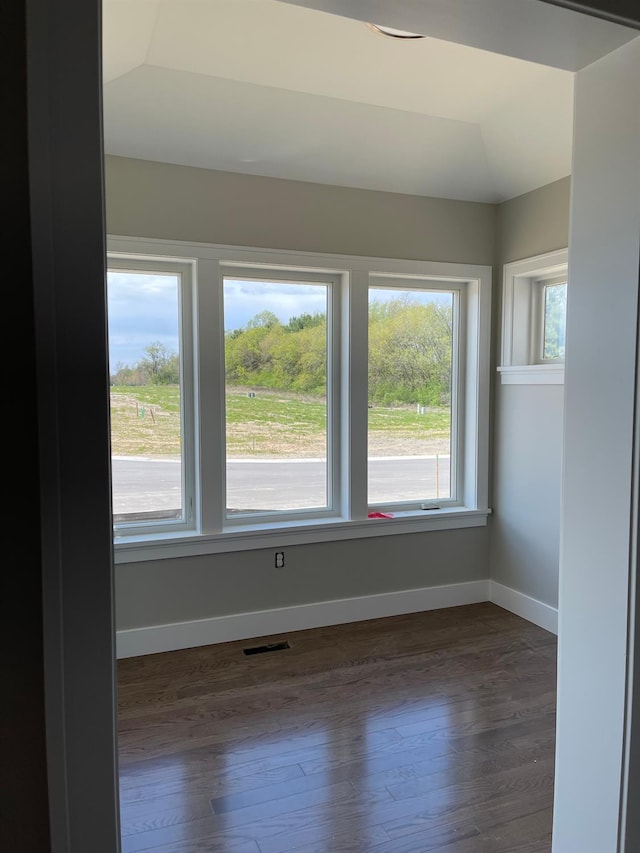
[532,374]
[528,608]
[133,642]
[150,640]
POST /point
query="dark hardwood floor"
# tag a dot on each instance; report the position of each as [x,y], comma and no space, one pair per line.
[428,732]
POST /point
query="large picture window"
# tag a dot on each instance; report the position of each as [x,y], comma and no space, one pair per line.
[262,398]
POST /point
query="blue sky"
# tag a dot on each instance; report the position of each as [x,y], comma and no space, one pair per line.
[143,309]
[244,299]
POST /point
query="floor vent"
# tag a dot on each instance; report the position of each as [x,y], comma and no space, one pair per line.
[272,647]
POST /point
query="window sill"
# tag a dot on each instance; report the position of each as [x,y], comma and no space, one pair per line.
[163,546]
[532,374]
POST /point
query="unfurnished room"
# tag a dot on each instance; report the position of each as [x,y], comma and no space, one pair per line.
[363,506]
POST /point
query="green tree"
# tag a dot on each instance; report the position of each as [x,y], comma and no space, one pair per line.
[555,319]
[305,321]
[263,320]
[310,375]
[267,354]
[160,365]
[410,347]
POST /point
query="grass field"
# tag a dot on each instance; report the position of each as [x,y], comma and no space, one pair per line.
[145,421]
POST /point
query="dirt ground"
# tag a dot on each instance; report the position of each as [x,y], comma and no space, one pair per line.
[384,445]
[278,442]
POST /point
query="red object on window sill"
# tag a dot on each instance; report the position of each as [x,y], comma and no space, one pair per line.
[380,515]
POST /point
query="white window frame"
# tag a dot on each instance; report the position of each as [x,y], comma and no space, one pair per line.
[185,269]
[522,287]
[333,281]
[211,532]
[408,282]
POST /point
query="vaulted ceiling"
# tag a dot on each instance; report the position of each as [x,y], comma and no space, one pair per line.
[271,88]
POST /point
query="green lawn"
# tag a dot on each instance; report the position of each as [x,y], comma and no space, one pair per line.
[146,421]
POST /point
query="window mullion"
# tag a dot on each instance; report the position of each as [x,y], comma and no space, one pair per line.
[475,332]
[210,405]
[354,392]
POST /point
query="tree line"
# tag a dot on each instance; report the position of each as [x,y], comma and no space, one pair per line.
[159,366]
[410,351]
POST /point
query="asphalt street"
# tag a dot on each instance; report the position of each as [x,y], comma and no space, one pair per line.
[147,485]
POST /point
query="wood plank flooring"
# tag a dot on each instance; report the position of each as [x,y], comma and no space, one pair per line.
[427,732]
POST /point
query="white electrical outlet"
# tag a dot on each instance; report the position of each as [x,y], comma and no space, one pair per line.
[279,559]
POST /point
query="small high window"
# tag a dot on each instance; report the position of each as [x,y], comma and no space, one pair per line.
[534,318]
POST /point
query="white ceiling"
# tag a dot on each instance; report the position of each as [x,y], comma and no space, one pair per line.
[270,88]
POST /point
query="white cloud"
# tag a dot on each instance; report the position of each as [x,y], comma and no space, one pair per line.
[244,299]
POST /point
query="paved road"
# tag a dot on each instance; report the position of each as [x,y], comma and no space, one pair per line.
[145,485]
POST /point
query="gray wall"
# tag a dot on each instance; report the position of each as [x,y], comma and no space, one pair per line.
[168,591]
[174,202]
[146,199]
[525,526]
[533,224]
[527,419]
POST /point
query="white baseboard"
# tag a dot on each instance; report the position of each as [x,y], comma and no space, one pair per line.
[523,605]
[133,642]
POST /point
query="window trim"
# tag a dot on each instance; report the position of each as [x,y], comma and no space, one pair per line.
[333,283]
[185,270]
[351,521]
[521,286]
[404,283]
